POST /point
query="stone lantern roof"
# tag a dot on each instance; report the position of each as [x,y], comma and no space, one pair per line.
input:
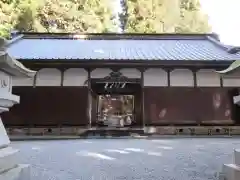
[232,70]
[10,65]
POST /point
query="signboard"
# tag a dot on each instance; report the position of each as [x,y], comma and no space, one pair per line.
[115,83]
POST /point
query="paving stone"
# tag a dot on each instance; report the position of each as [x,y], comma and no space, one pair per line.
[103,159]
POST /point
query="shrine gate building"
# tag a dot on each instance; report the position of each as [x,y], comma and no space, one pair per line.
[135,80]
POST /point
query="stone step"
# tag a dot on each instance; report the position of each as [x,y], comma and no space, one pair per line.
[20,172]
[237,157]
[231,172]
[113,132]
[7,159]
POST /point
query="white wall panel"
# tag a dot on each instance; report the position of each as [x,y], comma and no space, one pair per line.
[48,77]
[75,77]
[100,72]
[181,78]
[131,72]
[155,77]
[208,78]
[231,82]
[17,81]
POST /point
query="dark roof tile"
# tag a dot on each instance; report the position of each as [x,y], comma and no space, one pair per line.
[122,47]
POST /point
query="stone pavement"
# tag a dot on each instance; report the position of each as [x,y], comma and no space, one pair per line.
[127,159]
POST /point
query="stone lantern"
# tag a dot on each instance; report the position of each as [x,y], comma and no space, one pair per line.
[232,171]
[9,168]
[232,73]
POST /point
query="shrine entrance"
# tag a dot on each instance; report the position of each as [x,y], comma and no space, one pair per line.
[116,101]
[115,110]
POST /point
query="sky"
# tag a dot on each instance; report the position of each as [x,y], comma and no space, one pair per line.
[223,17]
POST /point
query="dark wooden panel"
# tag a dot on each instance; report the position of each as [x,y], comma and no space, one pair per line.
[213,104]
[186,105]
[48,106]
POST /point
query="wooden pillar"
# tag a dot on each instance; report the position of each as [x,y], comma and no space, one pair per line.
[142,94]
[35,77]
[89,109]
[194,72]
[34,80]
[168,70]
[62,75]
[221,81]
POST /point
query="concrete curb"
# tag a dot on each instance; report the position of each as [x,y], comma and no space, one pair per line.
[41,138]
[148,137]
[191,136]
[35,138]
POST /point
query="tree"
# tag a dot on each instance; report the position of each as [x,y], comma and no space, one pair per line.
[166,16]
[26,15]
[7,17]
[191,19]
[96,16]
[75,16]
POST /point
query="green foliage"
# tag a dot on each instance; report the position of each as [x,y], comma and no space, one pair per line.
[143,16]
[166,16]
[27,10]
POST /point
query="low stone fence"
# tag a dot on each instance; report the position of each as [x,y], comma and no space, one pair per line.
[152,130]
[193,130]
[56,131]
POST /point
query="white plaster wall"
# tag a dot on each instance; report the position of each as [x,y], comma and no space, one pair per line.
[231,82]
[207,78]
[100,72]
[181,78]
[5,83]
[75,77]
[48,77]
[17,81]
[155,77]
[152,77]
[131,72]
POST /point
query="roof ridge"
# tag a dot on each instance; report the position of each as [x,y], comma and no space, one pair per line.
[112,36]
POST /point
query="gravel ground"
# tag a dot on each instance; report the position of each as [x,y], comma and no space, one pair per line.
[127,159]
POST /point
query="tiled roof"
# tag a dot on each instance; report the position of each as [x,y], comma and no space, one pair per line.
[120,47]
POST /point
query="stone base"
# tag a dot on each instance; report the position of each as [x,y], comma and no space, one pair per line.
[19,172]
[159,130]
[237,157]
[9,168]
[7,159]
[114,132]
[232,171]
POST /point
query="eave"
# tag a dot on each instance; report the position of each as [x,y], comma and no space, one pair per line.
[170,64]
